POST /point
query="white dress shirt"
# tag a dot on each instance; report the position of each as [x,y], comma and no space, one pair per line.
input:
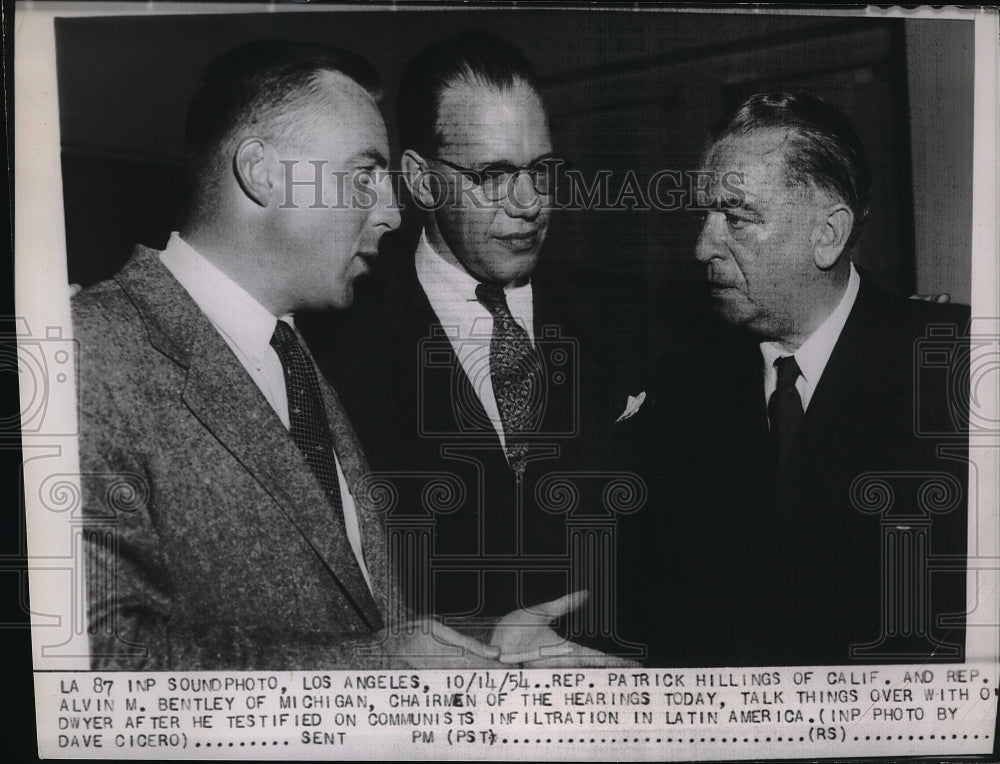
[813,355]
[247,327]
[451,291]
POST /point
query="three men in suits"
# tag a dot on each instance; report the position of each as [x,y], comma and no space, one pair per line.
[229,523]
[811,469]
[492,432]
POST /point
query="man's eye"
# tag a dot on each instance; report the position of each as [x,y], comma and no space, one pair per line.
[366,176]
[737,223]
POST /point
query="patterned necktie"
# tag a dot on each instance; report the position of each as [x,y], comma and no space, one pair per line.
[307,418]
[784,409]
[516,373]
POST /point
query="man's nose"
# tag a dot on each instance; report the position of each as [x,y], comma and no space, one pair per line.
[523,200]
[708,238]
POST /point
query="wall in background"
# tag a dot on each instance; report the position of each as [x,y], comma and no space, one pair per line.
[626,91]
[940,87]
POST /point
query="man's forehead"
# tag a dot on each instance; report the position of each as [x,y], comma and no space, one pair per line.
[491,123]
[755,162]
[338,93]
[764,147]
[346,114]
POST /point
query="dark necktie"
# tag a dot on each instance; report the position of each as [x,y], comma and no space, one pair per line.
[307,418]
[516,373]
[784,409]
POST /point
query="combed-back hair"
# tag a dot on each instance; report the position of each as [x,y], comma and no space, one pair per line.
[260,87]
[473,57]
[821,147]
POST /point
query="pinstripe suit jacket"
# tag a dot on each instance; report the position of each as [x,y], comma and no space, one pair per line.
[209,543]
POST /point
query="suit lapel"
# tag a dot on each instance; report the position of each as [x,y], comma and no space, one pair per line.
[220,393]
[839,392]
[439,400]
[555,331]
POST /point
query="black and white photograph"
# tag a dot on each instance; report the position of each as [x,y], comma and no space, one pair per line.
[424,381]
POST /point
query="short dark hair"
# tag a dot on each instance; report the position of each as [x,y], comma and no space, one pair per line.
[251,84]
[822,147]
[474,57]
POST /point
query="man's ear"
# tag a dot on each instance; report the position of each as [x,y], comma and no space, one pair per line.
[254,170]
[831,236]
[424,185]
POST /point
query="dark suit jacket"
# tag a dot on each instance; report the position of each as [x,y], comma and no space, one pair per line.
[495,544]
[855,552]
[209,542]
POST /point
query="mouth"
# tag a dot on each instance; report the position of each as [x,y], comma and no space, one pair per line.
[717,280]
[718,290]
[365,258]
[519,242]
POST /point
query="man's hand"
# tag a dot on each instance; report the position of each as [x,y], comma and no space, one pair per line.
[526,637]
[427,644]
[941,298]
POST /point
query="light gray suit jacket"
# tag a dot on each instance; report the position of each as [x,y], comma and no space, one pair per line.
[209,543]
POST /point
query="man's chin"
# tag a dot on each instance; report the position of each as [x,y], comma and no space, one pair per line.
[341,301]
[728,306]
[517,268]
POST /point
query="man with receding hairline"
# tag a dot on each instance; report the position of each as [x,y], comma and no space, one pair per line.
[769,542]
[250,540]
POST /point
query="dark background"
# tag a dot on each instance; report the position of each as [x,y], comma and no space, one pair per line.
[626,91]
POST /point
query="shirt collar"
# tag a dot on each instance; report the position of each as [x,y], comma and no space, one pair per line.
[230,308]
[437,275]
[813,354]
[451,290]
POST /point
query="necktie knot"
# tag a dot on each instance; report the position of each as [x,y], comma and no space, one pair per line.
[492,298]
[283,338]
[788,371]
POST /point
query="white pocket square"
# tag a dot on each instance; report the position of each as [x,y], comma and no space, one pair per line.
[633,404]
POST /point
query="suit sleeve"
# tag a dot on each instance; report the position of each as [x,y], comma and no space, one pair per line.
[132,621]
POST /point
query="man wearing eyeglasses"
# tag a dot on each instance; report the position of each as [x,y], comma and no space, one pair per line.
[492,434]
